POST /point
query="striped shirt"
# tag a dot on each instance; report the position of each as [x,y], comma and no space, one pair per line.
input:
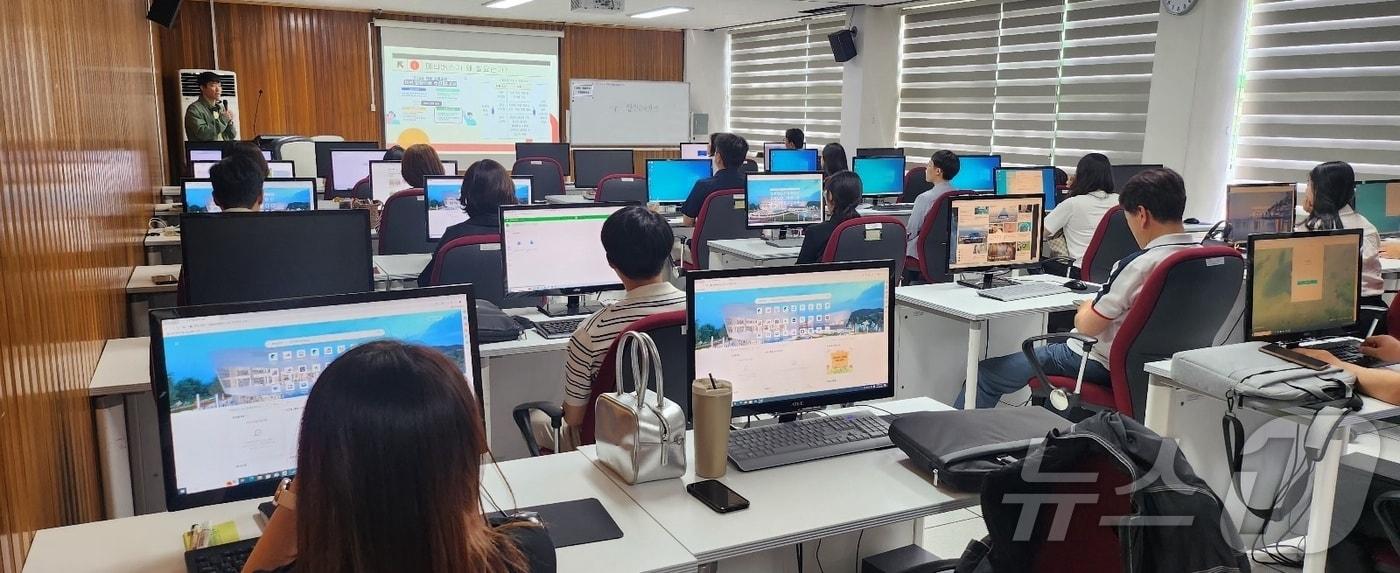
[595,335]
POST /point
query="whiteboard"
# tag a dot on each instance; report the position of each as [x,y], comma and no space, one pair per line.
[614,112]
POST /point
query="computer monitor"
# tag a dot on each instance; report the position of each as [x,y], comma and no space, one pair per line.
[795,337]
[442,197]
[262,256]
[1302,284]
[523,186]
[592,165]
[557,249]
[1122,173]
[323,155]
[768,150]
[695,151]
[1259,208]
[556,151]
[669,181]
[231,381]
[1026,181]
[281,169]
[206,150]
[350,166]
[975,172]
[880,176]
[793,161]
[289,194]
[987,233]
[776,200]
[200,169]
[1379,203]
[386,177]
[879,152]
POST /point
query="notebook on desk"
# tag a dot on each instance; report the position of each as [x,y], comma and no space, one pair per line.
[572,523]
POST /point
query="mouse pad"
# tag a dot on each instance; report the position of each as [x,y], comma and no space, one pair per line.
[576,522]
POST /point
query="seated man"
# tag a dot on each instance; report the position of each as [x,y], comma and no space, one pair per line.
[1380,383]
[729,153]
[1153,201]
[638,246]
[238,183]
[942,167]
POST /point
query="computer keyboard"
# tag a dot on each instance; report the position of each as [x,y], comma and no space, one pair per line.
[785,243]
[1349,351]
[806,440]
[892,207]
[1022,291]
[562,328]
[226,558]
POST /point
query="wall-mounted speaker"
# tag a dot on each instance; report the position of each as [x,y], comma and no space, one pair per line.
[164,12]
[843,44]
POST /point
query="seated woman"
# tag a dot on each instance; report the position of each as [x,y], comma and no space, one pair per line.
[389,476]
[843,193]
[1331,189]
[485,187]
[1077,217]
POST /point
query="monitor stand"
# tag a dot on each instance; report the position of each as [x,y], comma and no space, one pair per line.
[989,280]
[781,239]
[574,307]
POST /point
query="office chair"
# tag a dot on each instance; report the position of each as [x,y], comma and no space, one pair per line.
[915,183]
[721,217]
[302,153]
[624,187]
[403,228]
[1170,315]
[932,262]
[851,241]
[750,166]
[1112,241]
[327,138]
[478,260]
[667,329]
[275,146]
[548,175]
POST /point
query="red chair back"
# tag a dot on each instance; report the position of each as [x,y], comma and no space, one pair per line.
[1112,241]
[624,187]
[547,173]
[721,217]
[667,331]
[933,242]
[852,240]
[402,227]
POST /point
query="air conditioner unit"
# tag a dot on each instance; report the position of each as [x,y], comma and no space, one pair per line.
[599,6]
[189,93]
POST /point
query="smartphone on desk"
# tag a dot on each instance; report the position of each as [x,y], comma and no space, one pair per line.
[717,496]
[1290,356]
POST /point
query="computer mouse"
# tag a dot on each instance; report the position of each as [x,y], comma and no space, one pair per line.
[1077,286]
[1192,221]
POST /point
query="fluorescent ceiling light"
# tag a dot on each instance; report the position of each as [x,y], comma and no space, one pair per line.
[659,12]
[504,3]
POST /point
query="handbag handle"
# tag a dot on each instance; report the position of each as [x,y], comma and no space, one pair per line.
[645,357]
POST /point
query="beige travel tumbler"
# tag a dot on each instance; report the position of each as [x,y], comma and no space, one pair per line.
[710,400]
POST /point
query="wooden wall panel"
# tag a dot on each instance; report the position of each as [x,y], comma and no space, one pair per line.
[79,154]
[314,65]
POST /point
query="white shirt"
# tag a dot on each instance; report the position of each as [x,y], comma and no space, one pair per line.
[1124,284]
[1079,218]
[1372,284]
[595,335]
[922,205]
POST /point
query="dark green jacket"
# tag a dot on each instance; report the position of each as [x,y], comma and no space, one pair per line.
[202,123]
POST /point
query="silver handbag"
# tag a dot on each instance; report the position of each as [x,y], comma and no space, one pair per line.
[641,435]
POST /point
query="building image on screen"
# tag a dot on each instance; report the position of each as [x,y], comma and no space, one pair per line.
[289,195]
[443,196]
[1303,284]
[555,248]
[975,172]
[671,180]
[793,335]
[994,232]
[1379,203]
[238,383]
[784,200]
[469,101]
[1260,209]
[522,188]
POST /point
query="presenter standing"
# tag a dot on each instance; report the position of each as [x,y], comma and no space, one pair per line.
[208,118]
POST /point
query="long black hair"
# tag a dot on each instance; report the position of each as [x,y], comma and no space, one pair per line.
[485,187]
[845,190]
[834,159]
[1333,186]
[1093,173]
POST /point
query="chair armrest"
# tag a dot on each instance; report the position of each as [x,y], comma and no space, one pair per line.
[937,566]
[1028,349]
[521,414]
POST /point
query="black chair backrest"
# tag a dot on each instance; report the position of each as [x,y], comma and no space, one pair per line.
[548,175]
[480,261]
[915,183]
[672,343]
[1112,241]
[403,228]
[868,239]
[624,188]
[934,241]
[723,216]
[750,166]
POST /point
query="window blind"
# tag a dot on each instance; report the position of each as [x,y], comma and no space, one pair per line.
[1040,82]
[1321,83]
[783,75]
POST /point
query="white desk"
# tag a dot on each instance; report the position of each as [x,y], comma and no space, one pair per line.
[151,543]
[802,503]
[964,306]
[567,199]
[901,214]
[746,253]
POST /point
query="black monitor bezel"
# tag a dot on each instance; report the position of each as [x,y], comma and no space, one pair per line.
[709,165]
[427,210]
[1357,186]
[768,161]
[161,386]
[185,204]
[1232,186]
[564,165]
[323,149]
[332,181]
[1249,286]
[221,146]
[903,171]
[877,152]
[829,399]
[563,291]
[748,224]
[1054,189]
[1137,168]
[1037,234]
[1000,162]
[631,159]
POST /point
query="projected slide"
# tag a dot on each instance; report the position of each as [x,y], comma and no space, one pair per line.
[467,101]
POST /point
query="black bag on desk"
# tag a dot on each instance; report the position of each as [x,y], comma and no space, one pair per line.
[494,325]
[960,447]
